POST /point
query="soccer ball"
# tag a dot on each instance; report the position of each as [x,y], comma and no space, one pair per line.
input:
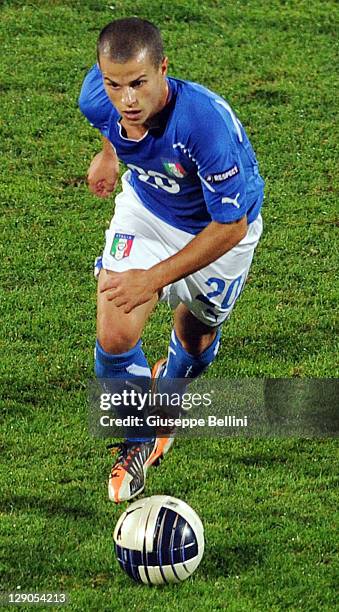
[158,540]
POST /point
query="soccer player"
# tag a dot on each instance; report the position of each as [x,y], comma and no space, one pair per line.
[185,225]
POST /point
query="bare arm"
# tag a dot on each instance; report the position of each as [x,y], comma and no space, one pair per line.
[213,242]
[103,172]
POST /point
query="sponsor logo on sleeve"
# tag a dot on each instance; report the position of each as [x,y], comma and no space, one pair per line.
[223,176]
[121,245]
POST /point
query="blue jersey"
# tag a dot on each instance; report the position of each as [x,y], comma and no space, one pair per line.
[195,166]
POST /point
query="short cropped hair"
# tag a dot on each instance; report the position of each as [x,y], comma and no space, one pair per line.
[123,39]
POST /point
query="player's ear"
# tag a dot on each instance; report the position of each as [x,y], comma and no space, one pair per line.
[164,66]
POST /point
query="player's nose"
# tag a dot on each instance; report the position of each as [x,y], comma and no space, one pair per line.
[128,97]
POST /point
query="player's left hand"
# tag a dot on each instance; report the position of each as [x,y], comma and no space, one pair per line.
[128,289]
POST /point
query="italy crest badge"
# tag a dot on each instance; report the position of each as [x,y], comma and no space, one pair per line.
[121,245]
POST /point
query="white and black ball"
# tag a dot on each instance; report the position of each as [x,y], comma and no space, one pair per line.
[159,540]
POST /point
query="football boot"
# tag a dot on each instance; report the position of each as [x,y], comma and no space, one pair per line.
[128,473]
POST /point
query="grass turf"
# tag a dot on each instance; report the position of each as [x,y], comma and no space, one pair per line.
[268,506]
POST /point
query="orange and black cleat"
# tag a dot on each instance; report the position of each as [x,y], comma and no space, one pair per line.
[128,474]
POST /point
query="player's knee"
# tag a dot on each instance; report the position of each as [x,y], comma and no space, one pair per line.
[117,341]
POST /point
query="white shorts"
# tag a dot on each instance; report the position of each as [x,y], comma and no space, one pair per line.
[138,239]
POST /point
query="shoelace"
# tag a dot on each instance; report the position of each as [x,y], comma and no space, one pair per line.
[125,453]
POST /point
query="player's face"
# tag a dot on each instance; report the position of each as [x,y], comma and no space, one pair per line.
[137,88]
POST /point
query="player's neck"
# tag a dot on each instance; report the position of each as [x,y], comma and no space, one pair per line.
[134,132]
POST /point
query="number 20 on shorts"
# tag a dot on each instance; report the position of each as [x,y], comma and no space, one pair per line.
[218,285]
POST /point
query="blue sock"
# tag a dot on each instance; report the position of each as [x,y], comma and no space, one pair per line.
[181,364]
[129,366]
[125,365]
[181,367]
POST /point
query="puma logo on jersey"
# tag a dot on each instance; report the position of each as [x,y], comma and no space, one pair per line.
[233,201]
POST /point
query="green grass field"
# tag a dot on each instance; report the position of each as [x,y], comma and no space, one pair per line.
[268,506]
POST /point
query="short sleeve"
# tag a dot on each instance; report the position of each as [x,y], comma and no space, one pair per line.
[94,102]
[214,147]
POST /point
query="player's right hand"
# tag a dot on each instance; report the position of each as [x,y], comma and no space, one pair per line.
[103,174]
